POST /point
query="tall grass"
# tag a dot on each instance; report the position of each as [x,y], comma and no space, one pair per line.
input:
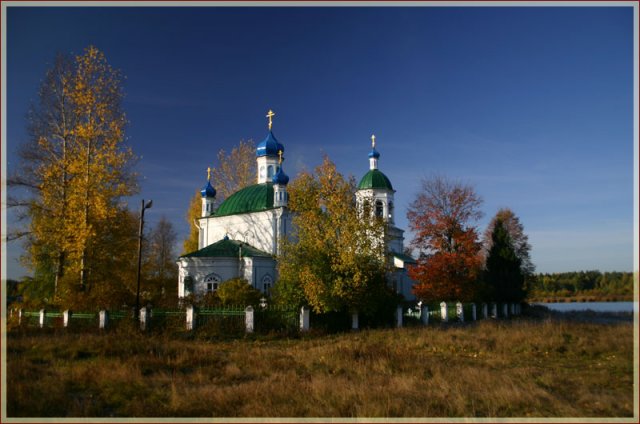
[518,368]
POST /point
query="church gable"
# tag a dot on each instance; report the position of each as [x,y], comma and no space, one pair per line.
[226,248]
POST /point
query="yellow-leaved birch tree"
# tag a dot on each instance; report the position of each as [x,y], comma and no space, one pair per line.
[76,169]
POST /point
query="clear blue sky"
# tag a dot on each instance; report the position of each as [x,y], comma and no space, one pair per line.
[533,106]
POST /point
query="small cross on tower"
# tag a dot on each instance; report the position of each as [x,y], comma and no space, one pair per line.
[208,173]
[373,141]
[280,155]
[270,115]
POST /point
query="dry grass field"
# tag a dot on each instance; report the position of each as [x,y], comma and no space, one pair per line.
[526,367]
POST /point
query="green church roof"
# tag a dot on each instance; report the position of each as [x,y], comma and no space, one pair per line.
[226,248]
[255,198]
[374,179]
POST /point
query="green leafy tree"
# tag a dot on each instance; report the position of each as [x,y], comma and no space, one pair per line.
[335,258]
[238,291]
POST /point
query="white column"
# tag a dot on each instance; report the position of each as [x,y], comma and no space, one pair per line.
[485,311]
[460,311]
[505,310]
[144,318]
[354,320]
[494,310]
[473,311]
[399,316]
[424,315]
[42,316]
[512,309]
[191,322]
[304,319]
[248,319]
[104,319]
[444,313]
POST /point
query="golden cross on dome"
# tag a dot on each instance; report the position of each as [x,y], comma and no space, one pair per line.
[270,115]
[373,141]
[280,154]
[208,173]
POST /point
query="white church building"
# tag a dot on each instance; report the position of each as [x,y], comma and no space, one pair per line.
[240,238]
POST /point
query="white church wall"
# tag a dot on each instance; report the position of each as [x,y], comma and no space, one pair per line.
[403,284]
[254,270]
[395,241]
[385,196]
[257,229]
[200,268]
[264,272]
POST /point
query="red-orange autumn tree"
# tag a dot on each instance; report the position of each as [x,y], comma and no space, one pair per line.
[449,262]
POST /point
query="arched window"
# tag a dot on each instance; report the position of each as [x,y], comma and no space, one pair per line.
[262,171]
[270,171]
[379,209]
[212,281]
[267,282]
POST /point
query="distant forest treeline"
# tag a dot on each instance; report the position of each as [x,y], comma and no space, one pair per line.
[590,285]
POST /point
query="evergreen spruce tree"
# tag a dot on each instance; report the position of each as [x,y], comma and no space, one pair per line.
[503,273]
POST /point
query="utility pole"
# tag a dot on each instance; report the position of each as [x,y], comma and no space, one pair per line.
[144,206]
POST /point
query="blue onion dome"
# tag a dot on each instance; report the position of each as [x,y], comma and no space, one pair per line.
[374,153]
[280,178]
[269,146]
[208,190]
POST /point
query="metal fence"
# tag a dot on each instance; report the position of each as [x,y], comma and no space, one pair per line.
[235,320]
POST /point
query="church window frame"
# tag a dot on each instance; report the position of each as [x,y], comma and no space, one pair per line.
[212,282]
[270,172]
[267,283]
[379,209]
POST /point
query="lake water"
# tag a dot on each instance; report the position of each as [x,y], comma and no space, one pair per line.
[593,306]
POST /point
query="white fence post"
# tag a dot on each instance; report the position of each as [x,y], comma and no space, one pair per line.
[304,319]
[473,311]
[494,310]
[424,315]
[248,319]
[191,322]
[460,311]
[42,316]
[354,321]
[66,316]
[20,315]
[104,319]
[144,318]
[444,313]
[399,316]
[505,310]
